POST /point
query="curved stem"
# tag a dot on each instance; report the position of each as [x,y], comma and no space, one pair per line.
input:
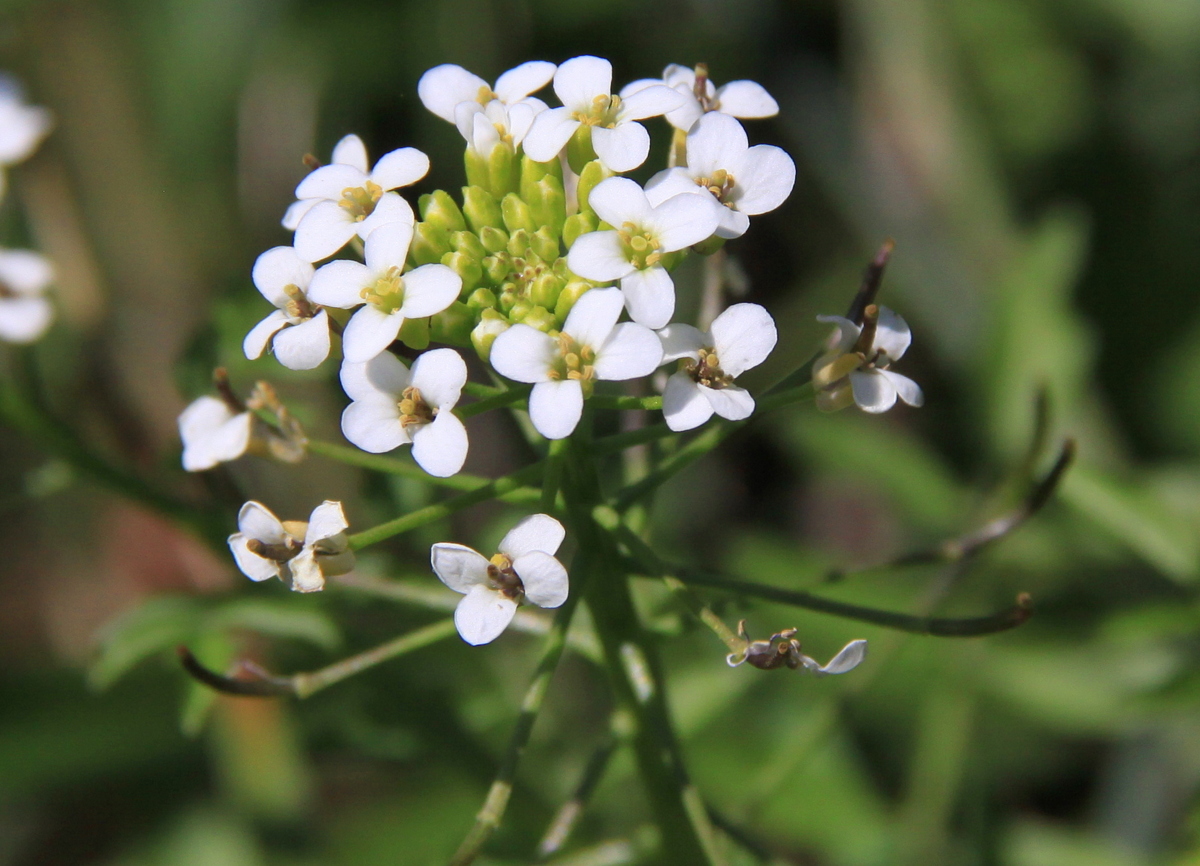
[495,401]
[610,401]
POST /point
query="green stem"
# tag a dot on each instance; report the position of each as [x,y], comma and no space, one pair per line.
[479,390]
[495,401]
[430,513]
[608,401]
[553,477]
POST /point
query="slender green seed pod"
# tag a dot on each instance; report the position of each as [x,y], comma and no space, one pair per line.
[480,208]
[439,209]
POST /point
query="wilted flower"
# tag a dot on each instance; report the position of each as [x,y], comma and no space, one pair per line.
[783,649]
[218,430]
[298,331]
[25,313]
[854,369]
[525,568]
[265,547]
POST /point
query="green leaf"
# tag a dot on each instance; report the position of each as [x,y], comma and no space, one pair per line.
[281,619]
[156,625]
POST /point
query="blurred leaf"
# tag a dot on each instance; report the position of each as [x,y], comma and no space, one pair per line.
[155,625]
[1033,843]
[276,618]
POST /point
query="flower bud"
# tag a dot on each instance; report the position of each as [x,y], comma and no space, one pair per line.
[545,290]
[441,210]
[480,208]
[467,267]
[497,268]
[579,149]
[477,169]
[482,299]
[429,244]
[548,204]
[570,293]
[469,243]
[578,224]
[493,239]
[541,318]
[509,296]
[591,175]
[516,214]
[414,333]
[518,244]
[490,326]
[519,310]
[532,172]
[708,246]
[671,261]
[452,325]
[544,243]
[502,170]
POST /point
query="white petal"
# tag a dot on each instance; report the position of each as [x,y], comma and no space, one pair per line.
[649,296]
[25,272]
[717,141]
[384,376]
[649,102]
[520,119]
[618,200]
[428,290]
[581,79]
[401,167]
[326,521]
[767,177]
[892,334]
[255,520]
[324,230]
[732,402]
[387,246]
[639,85]
[599,256]
[368,333]
[391,208]
[592,318]
[279,267]
[484,135]
[329,181]
[523,80]
[339,284]
[743,337]
[201,417]
[686,115]
[682,341]
[440,448]
[672,182]
[256,341]
[550,132]
[908,390]
[251,564]
[440,375]
[459,567]
[524,354]
[747,99]
[483,615]
[296,211]
[374,425]
[873,392]
[731,223]
[306,573]
[544,578]
[303,346]
[220,444]
[847,659]
[352,152]
[23,320]
[555,407]
[631,351]
[684,407]
[465,114]
[622,148]
[445,86]
[535,532]
[846,336]
[685,220]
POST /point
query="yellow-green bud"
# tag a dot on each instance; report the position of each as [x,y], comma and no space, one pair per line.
[532,172]
[429,244]
[517,214]
[468,242]
[545,290]
[548,204]
[493,239]
[540,318]
[477,169]
[560,270]
[519,310]
[467,267]
[708,246]
[591,175]
[414,333]
[578,224]
[482,299]
[544,242]
[480,208]
[509,296]
[518,244]
[579,149]
[671,261]
[491,325]
[502,168]
[439,209]
[570,293]
[452,325]
[496,268]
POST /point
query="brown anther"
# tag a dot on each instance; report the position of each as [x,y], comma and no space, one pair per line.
[275,552]
[414,409]
[707,371]
[700,88]
[311,162]
[298,305]
[504,579]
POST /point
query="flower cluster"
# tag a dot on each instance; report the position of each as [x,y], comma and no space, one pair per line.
[25,313]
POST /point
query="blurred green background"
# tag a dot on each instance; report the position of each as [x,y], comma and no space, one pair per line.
[1038,164]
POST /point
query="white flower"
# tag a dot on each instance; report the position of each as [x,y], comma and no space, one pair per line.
[745,99]
[213,432]
[24,313]
[309,552]
[22,127]
[633,251]
[741,338]
[444,88]
[386,296]
[746,180]
[563,368]
[485,126]
[525,567]
[393,407]
[854,367]
[584,85]
[344,200]
[299,330]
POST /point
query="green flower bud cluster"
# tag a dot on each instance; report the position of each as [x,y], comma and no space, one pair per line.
[508,242]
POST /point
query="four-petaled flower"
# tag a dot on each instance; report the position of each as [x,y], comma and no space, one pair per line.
[24,313]
[632,252]
[584,86]
[741,338]
[393,407]
[387,295]
[854,368]
[444,88]
[298,331]
[745,99]
[266,547]
[782,649]
[564,367]
[485,126]
[22,127]
[345,200]
[746,180]
[525,568]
